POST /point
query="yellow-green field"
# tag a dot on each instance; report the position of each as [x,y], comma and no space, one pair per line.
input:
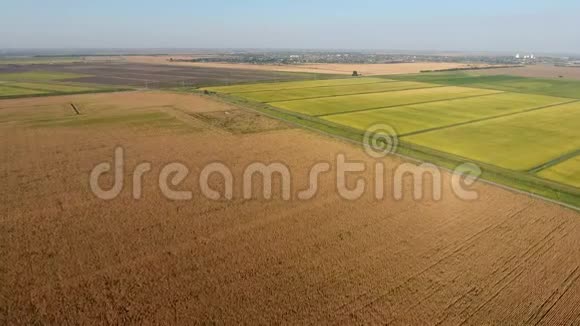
[329,91]
[567,172]
[352,103]
[24,84]
[8,91]
[51,87]
[518,142]
[293,85]
[413,118]
[522,130]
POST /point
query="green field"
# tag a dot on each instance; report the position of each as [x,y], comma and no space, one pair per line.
[567,172]
[421,117]
[7,91]
[329,91]
[39,76]
[294,84]
[41,83]
[52,87]
[351,103]
[519,142]
[38,60]
[521,131]
[540,86]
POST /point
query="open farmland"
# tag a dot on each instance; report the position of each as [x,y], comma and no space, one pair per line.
[40,76]
[7,91]
[24,84]
[537,71]
[140,110]
[372,101]
[540,86]
[69,257]
[420,117]
[519,142]
[5,61]
[330,91]
[513,127]
[315,68]
[120,74]
[299,85]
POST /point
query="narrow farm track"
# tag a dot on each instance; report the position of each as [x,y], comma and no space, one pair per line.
[490,118]
[555,161]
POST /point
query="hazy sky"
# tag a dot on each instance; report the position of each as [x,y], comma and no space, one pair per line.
[492,25]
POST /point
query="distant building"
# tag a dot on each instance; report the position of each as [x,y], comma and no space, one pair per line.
[525,57]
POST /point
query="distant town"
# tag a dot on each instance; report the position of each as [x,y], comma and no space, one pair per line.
[296,57]
[304,57]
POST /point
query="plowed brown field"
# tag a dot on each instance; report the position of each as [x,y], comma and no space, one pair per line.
[68,257]
[538,71]
[124,101]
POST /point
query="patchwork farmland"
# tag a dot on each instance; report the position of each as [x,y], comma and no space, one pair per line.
[448,119]
[290,163]
[134,75]
[70,257]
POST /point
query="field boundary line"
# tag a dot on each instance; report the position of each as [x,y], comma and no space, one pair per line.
[386,81]
[492,87]
[27,106]
[531,93]
[32,89]
[555,161]
[88,87]
[191,79]
[99,91]
[491,168]
[400,105]
[436,154]
[364,93]
[409,158]
[486,119]
[126,78]
[303,77]
[185,77]
[192,119]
